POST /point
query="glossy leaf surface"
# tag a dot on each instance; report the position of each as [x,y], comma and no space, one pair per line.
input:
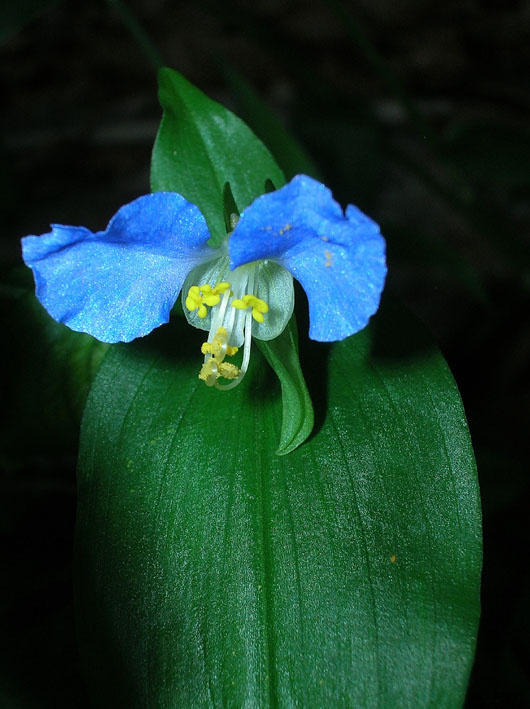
[212,572]
[201,146]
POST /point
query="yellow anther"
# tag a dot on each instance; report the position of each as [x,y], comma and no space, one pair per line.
[258,306]
[228,371]
[219,288]
[218,347]
[213,368]
[210,298]
[194,301]
[209,370]
[200,296]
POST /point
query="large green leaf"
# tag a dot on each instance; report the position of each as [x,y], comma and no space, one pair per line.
[200,146]
[212,572]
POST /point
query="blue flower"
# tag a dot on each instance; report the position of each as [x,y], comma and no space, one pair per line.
[121,283]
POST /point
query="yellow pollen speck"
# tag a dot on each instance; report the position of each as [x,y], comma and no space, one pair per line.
[287,227]
[328,256]
[393,558]
[325,238]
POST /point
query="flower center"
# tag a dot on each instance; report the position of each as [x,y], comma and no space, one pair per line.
[234,307]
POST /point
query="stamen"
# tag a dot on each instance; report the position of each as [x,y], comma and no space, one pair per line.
[223,320]
[215,350]
[258,306]
[248,335]
[200,296]
[246,357]
[218,346]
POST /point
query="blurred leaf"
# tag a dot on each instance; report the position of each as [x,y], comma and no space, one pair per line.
[352,151]
[297,409]
[137,32]
[212,572]
[200,146]
[492,152]
[14,15]
[382,68]
[429,258]
[290,155]
[47,373]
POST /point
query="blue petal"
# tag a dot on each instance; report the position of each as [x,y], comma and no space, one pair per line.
[120,283]
[339,259]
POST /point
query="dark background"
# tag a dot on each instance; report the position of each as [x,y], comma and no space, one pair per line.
[415,111]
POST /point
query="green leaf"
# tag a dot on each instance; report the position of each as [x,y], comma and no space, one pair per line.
[297,409]
[212,572]
[200,146]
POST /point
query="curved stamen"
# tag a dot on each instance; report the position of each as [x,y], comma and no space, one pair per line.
[225,318]
[246,356]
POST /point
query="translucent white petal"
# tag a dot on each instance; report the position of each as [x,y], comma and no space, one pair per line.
[275,287]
